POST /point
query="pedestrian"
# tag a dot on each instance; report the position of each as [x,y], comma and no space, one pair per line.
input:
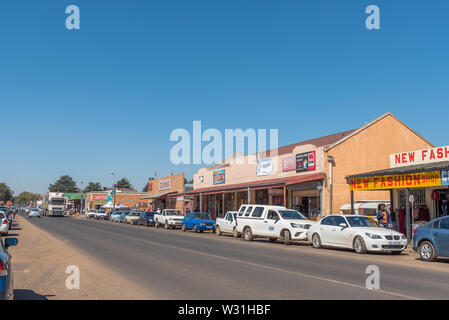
[383,216]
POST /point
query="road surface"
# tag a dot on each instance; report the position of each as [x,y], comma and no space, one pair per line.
[177,265]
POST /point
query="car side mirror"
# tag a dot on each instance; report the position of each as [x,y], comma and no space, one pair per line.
[11,242]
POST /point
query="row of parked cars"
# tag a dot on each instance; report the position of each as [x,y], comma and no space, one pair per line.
[6,269]
[276,223]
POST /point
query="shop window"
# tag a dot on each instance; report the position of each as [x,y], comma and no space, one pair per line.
[419,194]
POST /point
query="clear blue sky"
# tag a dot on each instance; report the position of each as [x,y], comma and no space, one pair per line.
[106,97]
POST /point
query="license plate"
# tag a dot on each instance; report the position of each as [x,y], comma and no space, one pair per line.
[393,243]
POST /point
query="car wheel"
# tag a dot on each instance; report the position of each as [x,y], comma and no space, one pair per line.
[183,227]
[427,251]
[235,233]
[287,237]
[316,241]
[248,234]
[359,245]
[218,231]
[194,228]
[166,225]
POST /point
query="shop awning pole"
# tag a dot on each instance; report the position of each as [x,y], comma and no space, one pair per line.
[201,203]
[352,202]
[249,196]
[407,214]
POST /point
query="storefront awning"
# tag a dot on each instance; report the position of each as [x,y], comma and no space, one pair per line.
[158,195]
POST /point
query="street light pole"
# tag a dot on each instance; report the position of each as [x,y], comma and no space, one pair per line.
[81,210]
[331,165]
[113,189]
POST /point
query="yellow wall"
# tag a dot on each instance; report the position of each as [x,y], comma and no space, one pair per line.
[368,150]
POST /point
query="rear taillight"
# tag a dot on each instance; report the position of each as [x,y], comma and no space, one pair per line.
[3,271]
[5,221]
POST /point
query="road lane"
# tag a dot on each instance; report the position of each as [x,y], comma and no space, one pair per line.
[180,265]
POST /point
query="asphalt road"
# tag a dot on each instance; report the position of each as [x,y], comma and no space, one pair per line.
[176,265]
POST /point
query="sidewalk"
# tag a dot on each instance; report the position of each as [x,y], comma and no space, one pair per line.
[40,261]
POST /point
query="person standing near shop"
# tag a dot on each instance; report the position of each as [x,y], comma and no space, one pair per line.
[383,216]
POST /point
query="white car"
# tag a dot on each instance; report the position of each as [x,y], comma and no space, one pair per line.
[227,224]
[169,218]
[272,222]
[356,232]
[91,214]
[4,224]
[34,212]
[101,214]
[132,217]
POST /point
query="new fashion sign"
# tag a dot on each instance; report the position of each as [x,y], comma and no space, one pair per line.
[419,157]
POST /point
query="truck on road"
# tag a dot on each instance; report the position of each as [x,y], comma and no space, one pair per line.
[53,204]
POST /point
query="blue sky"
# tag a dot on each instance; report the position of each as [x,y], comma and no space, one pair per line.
[107,96]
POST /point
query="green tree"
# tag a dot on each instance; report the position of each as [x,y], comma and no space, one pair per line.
[26,197]
[64,184]
[6,194]
[93,186]
[145,188]
[124,183]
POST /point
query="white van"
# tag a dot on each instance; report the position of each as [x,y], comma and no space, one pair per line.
[272,222]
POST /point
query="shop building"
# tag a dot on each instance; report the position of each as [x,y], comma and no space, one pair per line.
[129,198]
[166,193]
[309,176]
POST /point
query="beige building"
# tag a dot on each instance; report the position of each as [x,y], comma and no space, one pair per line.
[299,175]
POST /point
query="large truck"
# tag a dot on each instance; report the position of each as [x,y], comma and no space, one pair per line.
[53,204]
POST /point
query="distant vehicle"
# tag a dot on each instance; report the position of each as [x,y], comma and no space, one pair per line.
[169,218]
[115,216]
[101,214]
[272,222]
[432,239]
[132,217]
[227,224]
[6,269]
[53,204]
[197,221]
[123,216]
[146,218]
[4,224]
[91,214]
[355,232]
[34,212]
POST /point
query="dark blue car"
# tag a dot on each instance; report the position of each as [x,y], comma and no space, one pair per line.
[197,221]
[146,218]
[432,239]
[6,271]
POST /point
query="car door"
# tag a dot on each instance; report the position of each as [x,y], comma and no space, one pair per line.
[226,226]
[273,226]
[326,228]
[441,236]
[341,235]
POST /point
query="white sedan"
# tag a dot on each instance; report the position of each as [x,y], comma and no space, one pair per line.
[34,212]
[4,224]
[355,232]
[101,214]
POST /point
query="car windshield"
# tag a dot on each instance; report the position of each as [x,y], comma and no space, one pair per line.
[34,209]
[204,216]
[101,211]
[361,222]
[136,213]
[56,201]
[291,214]
[174,212]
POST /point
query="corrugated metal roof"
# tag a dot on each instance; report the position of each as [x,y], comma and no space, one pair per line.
[435,166]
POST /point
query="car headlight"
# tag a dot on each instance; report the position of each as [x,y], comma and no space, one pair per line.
[297,225]
[373,236]
[404,237]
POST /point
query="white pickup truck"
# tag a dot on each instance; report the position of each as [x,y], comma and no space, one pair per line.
[272,222]
[227,224]
[169,218]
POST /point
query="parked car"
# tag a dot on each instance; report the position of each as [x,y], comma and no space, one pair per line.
[272,222]
[432,239]
[8,214]
[132,217]
[197,221]
[355,232]
[146,218]
[91,214]
[34,212]
[227,224]
[101,214]
[6,269]
[169,218]
[123,216]
[4,224]
[115,216]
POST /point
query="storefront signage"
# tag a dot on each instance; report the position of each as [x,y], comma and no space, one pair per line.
[419,157]
[305,162]
[445,178]
[164,184]
[264,167]
[399,181]
[101,197]
[219,177]
[289,164]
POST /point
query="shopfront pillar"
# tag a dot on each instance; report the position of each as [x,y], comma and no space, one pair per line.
[352,202]
[407,214]
[285,196]
[223,205]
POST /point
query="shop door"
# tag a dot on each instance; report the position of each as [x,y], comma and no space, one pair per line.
[278,201]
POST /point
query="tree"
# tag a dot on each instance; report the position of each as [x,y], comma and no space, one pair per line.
[93,186]
[6,193]
[64,184]
[123,183]
[145,188]
[26,197]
